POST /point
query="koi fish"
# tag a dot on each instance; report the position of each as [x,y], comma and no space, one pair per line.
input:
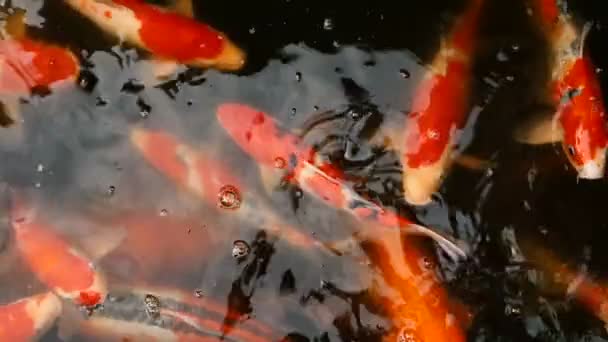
[578,120]
[439,109]
[28,318]
[425,302]
[61,267]
[591,294]
[169,35]
[180,317]
[208,178]
[27,64]
[257,134]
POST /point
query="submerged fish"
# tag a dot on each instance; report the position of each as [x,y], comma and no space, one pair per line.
[579,120]
[169,35]
[258,134]
[212,181]
[439,109]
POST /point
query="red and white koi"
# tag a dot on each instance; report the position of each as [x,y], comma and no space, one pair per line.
[29,318]
[26,64]
[259,136]
[168,35]
[439,110]
[209,179]
[579,122]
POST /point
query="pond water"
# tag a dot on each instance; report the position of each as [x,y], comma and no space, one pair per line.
[341,77]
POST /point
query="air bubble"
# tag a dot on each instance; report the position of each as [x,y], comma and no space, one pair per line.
[404,73]
[40,168]
[240,249]
[279,163]
[164,212]
[229,197]
[198,293]
[298,76]
[152,305]
[111,190]
[328,24]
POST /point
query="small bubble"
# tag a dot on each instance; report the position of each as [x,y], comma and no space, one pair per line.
[293,111]
[515,47]
[198,293]
[510,78]
[152,305]
[251,30]
[336,44]
[240,249]
[298,193]
[501,56]
[354,114]
[598,70]
[512,310]
[315,108]
[40,168]
[37,185]
[229,197]
[279,163]
[404,73]
[328,24]
[111,190]
[298,76]
[164,212]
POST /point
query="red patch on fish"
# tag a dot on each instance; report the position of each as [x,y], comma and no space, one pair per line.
[89,298]
[174,36]
[27,64]
[438,109]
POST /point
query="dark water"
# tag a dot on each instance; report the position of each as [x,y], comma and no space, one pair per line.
[306,58]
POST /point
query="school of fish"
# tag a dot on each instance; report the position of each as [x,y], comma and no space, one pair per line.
[73,273]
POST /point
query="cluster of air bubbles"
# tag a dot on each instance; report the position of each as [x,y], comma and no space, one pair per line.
[152,304]
[229,197]
[240,249]
[251,30]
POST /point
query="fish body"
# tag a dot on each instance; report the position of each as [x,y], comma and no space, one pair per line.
[166,34]
[439,110]
[29,318]
[207,178]
[579,118]
[63,268]
[260,137]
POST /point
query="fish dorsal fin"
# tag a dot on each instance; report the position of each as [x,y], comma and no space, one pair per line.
[15,24]
[183,7]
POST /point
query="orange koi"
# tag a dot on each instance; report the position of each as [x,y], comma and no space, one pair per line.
[257,134]
[168,35]
[579,121]
[65,270]
[439,110]
[26,64]
[29,318]
[589,293]
[206,178]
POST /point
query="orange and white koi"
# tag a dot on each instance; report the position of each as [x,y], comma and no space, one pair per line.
[168,35]
[65,270]
[29,318]
[579,121]
[439,110]
[26,64]
[259,136]
[209,179]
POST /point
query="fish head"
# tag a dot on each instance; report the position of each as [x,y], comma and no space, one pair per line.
[256,133]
